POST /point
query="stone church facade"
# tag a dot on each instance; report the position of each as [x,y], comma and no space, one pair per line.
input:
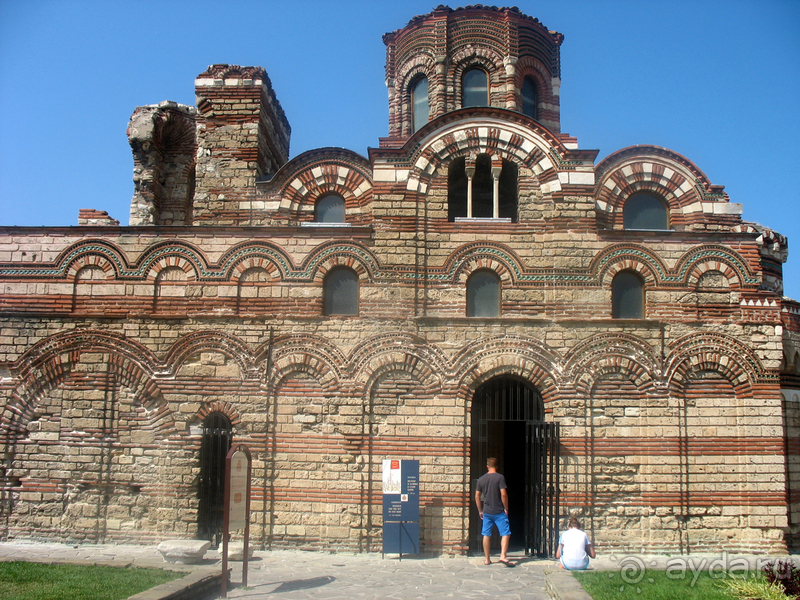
[476,285]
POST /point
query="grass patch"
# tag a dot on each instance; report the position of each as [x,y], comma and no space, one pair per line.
[655,585]
[36,581]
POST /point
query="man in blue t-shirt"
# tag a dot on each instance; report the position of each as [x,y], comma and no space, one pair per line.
[491,496]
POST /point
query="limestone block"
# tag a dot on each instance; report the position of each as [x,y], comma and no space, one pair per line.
[236,551]
[183,551]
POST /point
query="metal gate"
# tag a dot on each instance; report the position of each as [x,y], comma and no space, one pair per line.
[213,449]
[542,493]
[509,399]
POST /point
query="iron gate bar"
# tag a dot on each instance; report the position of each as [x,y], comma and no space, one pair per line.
[512,399]
[214,447]
[544,494]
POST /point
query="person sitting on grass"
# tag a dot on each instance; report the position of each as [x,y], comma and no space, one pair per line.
[574,547]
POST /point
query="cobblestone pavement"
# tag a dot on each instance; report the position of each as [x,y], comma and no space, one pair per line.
[294,575]
[290,575]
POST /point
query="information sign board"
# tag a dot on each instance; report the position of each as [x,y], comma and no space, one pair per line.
[400,506]
[237,508]
[240,466]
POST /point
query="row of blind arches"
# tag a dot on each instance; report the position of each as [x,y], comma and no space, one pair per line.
[341,290]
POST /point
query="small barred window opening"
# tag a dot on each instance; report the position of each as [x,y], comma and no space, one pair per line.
[483,294]
[340,291]
[627,296]
[330,209]
[645,211]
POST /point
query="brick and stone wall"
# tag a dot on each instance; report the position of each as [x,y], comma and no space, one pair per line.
[678,430]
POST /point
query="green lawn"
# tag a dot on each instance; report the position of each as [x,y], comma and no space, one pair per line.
[36,581]
[655,585]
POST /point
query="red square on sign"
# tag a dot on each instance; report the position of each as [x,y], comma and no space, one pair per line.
[395,464]
[237,498]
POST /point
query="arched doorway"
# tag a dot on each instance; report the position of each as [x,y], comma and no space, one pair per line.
[213,449]
[508,423]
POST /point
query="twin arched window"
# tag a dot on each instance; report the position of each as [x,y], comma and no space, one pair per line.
[627,296]
[645,211]
[482,188]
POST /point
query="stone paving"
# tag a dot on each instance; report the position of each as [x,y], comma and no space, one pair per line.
[291,575]
[295,575]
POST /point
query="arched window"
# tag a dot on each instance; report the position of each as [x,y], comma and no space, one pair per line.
[329,209]
[483,294]
[645,211]
[475,88]
[340,292]
[530,102]
[419,103]
[472,188]
[627,296]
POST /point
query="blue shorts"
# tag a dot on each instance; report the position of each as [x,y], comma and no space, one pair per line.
[500,520]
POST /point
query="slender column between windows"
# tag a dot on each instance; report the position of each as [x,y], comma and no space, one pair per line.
[496,191]
[470,171]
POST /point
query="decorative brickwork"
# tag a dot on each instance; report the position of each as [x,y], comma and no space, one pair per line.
[679,430]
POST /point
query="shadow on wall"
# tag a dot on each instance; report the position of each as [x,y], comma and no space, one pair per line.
[432,526]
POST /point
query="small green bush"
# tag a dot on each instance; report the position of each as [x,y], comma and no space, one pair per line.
[756,588]
[785,574]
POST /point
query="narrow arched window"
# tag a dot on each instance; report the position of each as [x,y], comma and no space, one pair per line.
[329,209]
[483,294]
[530,103]
[627,296]
[475,88]
[419,103]
[645,211]
[340,292]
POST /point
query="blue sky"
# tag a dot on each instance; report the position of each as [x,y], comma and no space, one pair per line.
[715,80]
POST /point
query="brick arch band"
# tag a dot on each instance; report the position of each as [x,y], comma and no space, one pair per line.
[516,144]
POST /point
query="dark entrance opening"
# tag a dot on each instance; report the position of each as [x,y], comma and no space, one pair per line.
[213,449]
[508,424]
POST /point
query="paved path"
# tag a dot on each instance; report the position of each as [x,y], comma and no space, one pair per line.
[291,575]
[294,575]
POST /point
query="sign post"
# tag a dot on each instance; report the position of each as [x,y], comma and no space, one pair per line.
[237,507]
[400,506]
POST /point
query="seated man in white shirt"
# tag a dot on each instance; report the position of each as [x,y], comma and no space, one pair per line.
[574,547]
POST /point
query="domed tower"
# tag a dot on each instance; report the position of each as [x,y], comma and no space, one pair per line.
[474,56]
